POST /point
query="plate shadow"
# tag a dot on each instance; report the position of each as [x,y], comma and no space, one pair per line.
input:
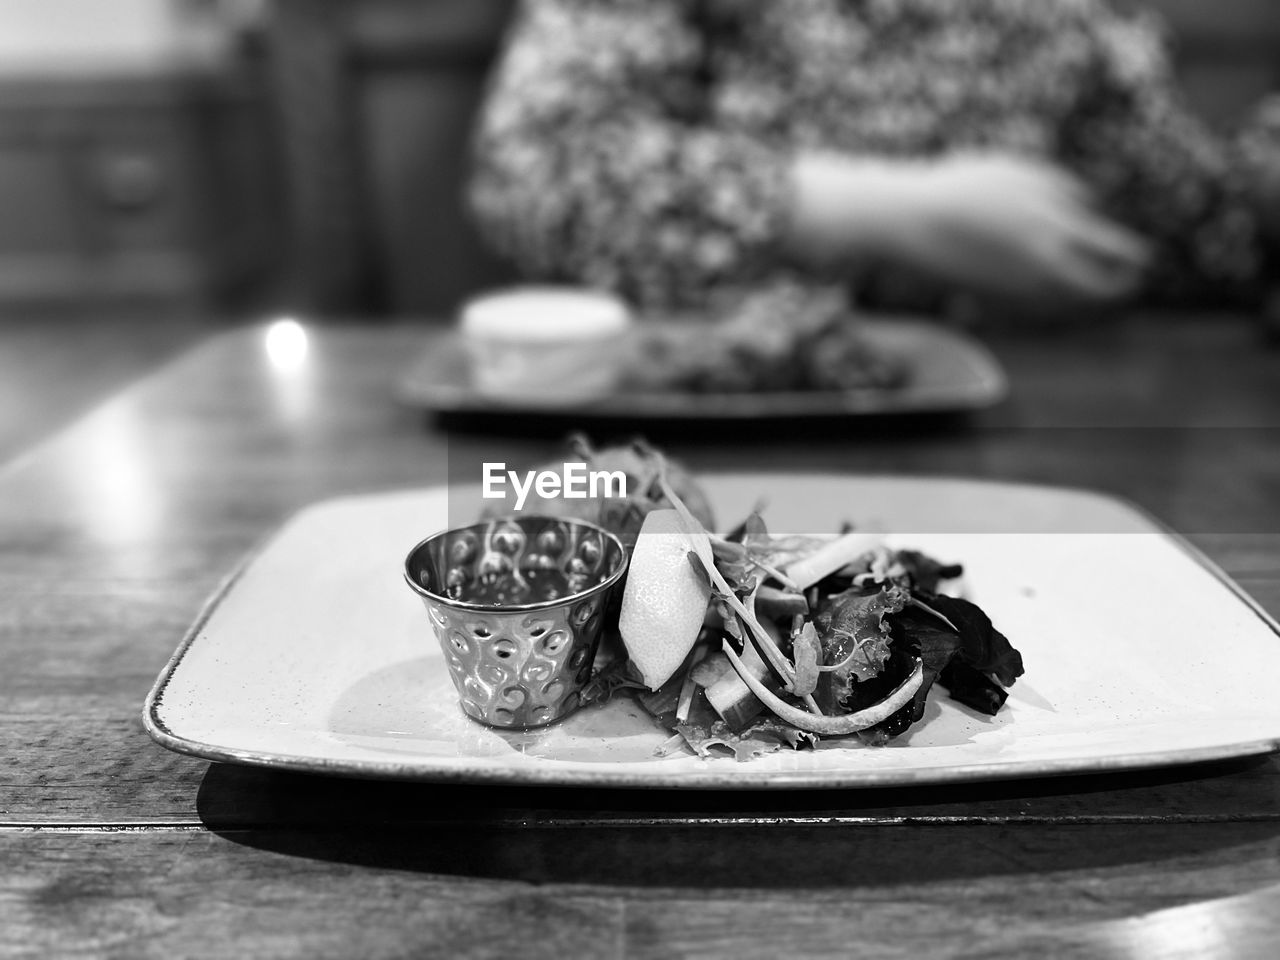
[747,840]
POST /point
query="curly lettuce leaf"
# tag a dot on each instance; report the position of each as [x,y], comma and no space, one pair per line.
[855,641]
[853,632]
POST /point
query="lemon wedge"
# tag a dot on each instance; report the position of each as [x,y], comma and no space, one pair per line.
[665,601]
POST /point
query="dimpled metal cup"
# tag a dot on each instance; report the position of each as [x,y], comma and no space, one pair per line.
[517,605]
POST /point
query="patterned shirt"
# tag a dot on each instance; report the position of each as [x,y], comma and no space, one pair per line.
[644,145]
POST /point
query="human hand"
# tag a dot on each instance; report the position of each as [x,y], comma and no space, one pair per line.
[996,225]
[1017,228]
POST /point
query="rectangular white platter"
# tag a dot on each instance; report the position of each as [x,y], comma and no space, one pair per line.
[317,657]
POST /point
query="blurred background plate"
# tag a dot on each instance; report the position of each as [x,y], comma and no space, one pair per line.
[949,373]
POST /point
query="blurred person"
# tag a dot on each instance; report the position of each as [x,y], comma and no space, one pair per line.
[1024,151]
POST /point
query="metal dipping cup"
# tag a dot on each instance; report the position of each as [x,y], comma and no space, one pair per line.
[517,605]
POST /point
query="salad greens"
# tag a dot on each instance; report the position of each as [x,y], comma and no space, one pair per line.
[802,637]
[813,637]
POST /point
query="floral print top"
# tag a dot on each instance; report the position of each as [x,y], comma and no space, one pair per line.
[642,145]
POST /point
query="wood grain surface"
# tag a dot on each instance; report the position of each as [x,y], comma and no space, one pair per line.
[113,533]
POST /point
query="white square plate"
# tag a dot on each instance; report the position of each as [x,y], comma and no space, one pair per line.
[316,656]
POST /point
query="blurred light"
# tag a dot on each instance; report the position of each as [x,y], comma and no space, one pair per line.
[1226,927]
[286,343]
[291,370]
[120,499]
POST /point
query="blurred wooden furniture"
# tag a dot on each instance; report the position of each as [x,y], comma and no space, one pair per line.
[151,186]
[375,101]
[113,534]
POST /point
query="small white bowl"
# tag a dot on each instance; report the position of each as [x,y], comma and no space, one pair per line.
[561,342]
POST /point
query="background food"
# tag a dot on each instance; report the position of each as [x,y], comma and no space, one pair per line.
[784,338]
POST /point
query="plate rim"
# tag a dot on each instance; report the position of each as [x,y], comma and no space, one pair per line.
[989,389]
[744,780]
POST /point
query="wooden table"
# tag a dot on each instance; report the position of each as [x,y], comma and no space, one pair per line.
[114,532]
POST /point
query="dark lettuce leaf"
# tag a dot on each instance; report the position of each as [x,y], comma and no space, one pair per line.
[972,687]
[901,662]
[960,661]
[935,642]
[931,640]
[982,646]
[925,573]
